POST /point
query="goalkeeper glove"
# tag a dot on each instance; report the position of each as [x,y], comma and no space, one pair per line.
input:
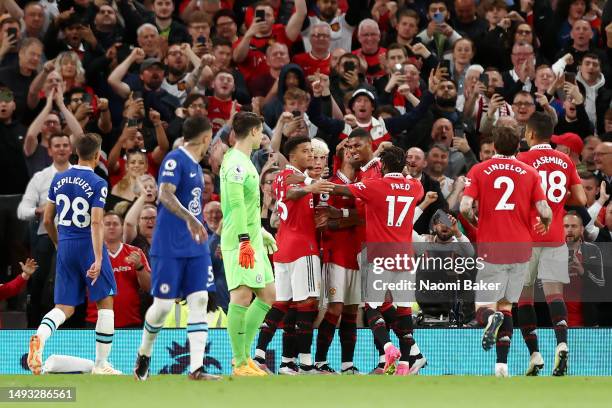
[246,254]
[269,241]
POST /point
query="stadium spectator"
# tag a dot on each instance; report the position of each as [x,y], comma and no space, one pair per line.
[31,208]
[342,23]
[585,272]
[319,57]
[587,155]
[438,35]
[570,144]
[461,157]
[17,285]
[368,35]
[126,188]
[132,274]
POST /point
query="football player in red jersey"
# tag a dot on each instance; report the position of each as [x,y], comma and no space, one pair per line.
[249,51]
[296,264]
[506,190]
[389,221]
[549,256]
[340,278]
[132,274]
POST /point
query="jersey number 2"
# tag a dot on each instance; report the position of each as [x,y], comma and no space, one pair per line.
[391,209]
[503,203]
[80,211]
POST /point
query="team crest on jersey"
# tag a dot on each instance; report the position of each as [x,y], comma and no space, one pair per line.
[335,27]
[238,174]
[164,288]
[332,291]
[360,186]
[468,181]
[259,278]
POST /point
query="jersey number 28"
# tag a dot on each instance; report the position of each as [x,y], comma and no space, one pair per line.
[80,211]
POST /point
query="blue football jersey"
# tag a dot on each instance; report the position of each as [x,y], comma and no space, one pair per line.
[172,237]
[75,192]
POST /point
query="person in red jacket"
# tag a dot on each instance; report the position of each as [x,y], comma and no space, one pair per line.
[16,286]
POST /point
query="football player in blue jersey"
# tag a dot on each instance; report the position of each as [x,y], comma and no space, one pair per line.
[77,196]
[179,253]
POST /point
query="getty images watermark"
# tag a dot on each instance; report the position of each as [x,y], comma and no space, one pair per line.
[447,272]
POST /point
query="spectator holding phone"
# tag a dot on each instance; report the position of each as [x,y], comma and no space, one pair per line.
[575,120]
[346,79]
[439,35]
[10,37]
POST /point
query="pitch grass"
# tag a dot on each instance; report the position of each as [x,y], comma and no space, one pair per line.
[173,391]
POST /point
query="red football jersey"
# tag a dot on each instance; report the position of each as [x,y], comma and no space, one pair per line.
[126,303]
[389,206]
[219,112]
[297,235]
[255,62]
[340,246]
[370,170]
[557,174]
[311,65]
[375,63]
[506,190]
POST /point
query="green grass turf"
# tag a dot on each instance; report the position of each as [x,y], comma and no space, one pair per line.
[325,391]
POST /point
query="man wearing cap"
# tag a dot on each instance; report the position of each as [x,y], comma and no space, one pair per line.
[149,82]
[362,105]
[570,144]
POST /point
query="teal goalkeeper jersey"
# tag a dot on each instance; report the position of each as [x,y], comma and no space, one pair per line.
[239,200]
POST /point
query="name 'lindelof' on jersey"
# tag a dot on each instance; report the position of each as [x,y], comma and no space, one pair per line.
[172,237]
[75,192]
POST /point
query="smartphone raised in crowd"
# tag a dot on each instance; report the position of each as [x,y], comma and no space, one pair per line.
[349,66]
[570,77]
[484,79]
[438,17]
[260,15]
[445,64]
[12,31]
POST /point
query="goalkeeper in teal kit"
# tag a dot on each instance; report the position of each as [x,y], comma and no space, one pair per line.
[244,244]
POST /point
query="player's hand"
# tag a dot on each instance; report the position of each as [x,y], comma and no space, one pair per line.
[94,271]
[540,227]
[269,241]
[28,268]
[246,255]
[197,230]
[320,187]
[382,146]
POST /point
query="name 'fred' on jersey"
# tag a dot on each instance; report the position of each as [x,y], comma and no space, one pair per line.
[172,237]
[75,193]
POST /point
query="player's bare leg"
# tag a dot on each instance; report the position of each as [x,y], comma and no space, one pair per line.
[105,329]
[52,320]
[528,323]
[325,336]
[348,338]
[307,311]
[154,321]
[273,319]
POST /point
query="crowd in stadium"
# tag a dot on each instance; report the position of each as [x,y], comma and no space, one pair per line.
[433,77]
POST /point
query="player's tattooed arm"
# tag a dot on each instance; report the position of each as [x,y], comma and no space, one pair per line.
[49,222]
[318,187]
[545,214]
[467,209]
[172,203]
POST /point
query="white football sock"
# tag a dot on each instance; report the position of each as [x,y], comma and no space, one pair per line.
[52,320]
[105,329]
[154,322]
[197,328]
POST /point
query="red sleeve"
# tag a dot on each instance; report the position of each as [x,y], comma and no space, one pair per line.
[13,288]
[537,192]
[471,184]
[574,178]
[361,190]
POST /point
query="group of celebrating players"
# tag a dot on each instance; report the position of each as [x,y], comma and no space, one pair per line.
[319,252]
